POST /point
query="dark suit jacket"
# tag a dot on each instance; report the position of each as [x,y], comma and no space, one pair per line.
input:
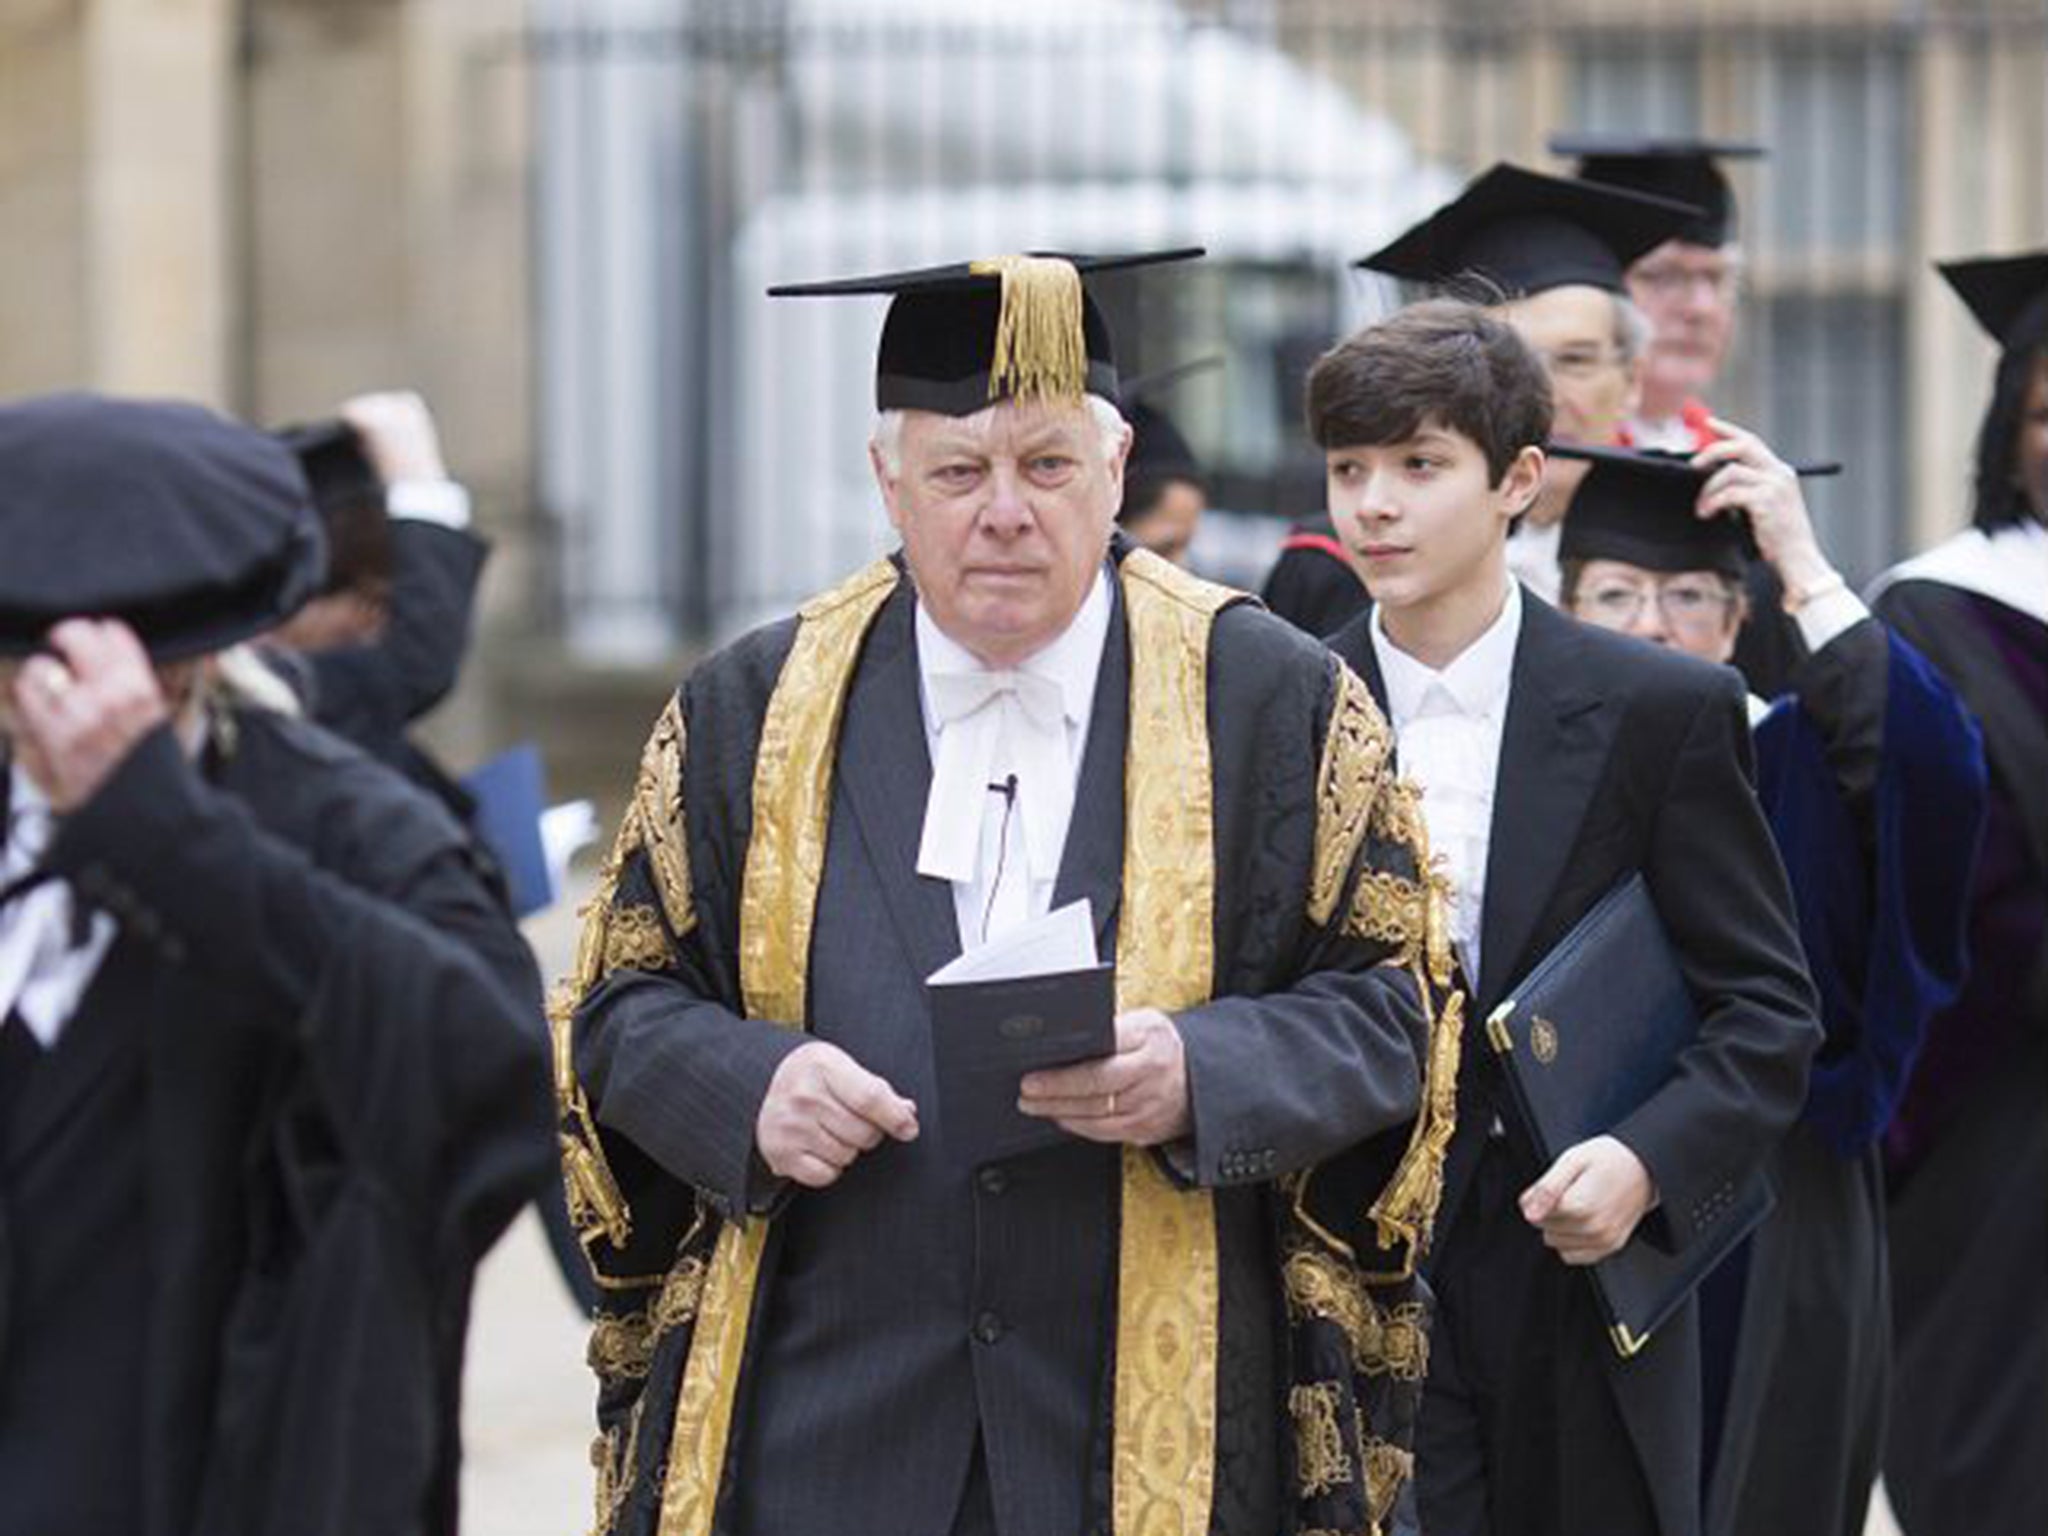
[1619,757]
[335,1108]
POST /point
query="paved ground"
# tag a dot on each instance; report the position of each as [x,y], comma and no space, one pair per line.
[527,1413]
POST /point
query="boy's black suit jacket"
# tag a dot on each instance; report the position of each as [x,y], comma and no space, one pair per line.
[1618,756]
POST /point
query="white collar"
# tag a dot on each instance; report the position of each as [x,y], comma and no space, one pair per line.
[1476,680]
[1070,661]
[2009,567]
[43,974]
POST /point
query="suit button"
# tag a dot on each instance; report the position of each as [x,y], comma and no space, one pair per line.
[993,1180]
[988,1328]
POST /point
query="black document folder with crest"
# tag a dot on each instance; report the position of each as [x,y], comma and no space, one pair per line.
[1587,1037]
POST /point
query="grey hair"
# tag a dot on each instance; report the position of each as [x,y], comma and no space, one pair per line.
[887,438]
[1633,330]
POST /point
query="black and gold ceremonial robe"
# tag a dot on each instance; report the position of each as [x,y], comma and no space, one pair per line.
[1225,1337]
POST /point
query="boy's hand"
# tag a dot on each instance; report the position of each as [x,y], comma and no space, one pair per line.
[1588,1204]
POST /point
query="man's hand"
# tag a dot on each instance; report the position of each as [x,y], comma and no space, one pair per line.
[79,712]
[1139,1095]
[1747,475]
[1589,1202]
[397,433]
[823,1109]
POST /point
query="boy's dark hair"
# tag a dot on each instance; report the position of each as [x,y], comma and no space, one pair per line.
[1999,500]
[1442,363]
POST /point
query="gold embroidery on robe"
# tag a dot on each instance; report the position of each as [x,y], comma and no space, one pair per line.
[1384,1341]
[634,940]
[1163,1462]
[1354,755]
[778,903]
[613,939]
[623,1347]
[1321,1459]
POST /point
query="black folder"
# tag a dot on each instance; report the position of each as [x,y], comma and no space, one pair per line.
[1587,1037]
[987,1034]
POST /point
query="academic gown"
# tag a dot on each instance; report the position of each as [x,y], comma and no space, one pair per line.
[934,1348]
[1967,1153]
[1616,758]
[337,1109]
[1312,585]
[1872,776]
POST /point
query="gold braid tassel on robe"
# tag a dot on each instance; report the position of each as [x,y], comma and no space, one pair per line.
[1354,1307]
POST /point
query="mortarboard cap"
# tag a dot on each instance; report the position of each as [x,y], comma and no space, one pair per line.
[1637,506]
[194,530]
[1527,233]
[1159,451]
[331,456]
[2007,294]
[1687,170]
[958,337]
[349,495]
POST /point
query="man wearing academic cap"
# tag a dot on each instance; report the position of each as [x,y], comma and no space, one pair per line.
[1194,1311]
[1165,490]
[1556,252]
[1872,775]
[1968,1151]
[1688,288]
[262,1108]
[1688,284]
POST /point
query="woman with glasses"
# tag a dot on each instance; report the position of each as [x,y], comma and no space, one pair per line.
[1872,778]
[1968,1154]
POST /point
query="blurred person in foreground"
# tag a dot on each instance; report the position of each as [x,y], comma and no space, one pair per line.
[1872,775]
[262,1107]
[1968,1152]
[1555,762]
[383,643]
[1195,1310]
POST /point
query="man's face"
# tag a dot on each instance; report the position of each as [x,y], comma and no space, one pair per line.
[1005,519]
[1422,519]
[1169,526]
[2030,454]
[1697,612]
[1575,331]
[1688,292]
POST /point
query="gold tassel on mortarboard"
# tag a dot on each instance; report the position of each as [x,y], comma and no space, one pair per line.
[1041,352]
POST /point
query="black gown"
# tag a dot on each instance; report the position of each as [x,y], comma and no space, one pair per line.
[1872,776]
[336,1108]
[1967,1155]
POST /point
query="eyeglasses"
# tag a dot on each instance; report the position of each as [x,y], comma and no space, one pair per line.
[1686,603]
[1581,362]
[1668,282]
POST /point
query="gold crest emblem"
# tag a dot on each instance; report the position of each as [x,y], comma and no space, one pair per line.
[1543,1040]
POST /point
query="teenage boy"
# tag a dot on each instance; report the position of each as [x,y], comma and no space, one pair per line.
[1555,760]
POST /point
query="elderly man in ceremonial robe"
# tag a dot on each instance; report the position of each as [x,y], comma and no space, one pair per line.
[1192,1309]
